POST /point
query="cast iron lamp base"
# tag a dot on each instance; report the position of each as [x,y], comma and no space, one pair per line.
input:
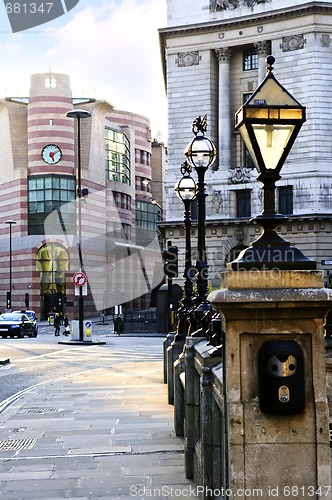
[271,251]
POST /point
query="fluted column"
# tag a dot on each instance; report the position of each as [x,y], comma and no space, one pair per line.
[225,121]
[263,50]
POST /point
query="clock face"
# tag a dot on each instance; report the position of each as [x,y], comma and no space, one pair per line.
[51,154]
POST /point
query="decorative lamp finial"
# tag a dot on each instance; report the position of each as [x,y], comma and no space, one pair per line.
[199,125]
[269,61]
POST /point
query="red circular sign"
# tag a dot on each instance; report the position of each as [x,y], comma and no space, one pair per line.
[79,278]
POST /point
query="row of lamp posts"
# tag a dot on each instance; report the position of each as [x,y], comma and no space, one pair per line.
[200,155]
[269,123]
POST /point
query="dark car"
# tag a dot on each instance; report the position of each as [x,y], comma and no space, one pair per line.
[32,316]
[16,325]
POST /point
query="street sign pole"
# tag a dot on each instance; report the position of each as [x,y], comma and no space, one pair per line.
[79,280]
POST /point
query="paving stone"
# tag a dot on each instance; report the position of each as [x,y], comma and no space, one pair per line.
[112,436]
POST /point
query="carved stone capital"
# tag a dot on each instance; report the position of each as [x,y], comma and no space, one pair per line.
[223,54]
[263,48]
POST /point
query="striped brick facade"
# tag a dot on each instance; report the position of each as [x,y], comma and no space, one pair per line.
[26,127]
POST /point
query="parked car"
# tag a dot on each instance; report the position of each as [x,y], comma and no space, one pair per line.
[32,316]
[16,325]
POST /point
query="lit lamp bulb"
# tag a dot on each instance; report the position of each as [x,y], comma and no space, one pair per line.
[269,129]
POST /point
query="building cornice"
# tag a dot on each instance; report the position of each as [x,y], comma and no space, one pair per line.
[236,221]
[289,12]
[239,22]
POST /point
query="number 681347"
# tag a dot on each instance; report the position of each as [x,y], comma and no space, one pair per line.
[29,8]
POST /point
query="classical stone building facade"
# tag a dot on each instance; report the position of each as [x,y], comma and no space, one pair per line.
[39,167]
[214,58]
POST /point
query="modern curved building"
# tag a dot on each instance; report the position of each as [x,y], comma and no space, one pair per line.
[42,154]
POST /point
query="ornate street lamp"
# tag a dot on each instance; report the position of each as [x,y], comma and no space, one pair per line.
[79,114]
[269,123]
[9,294]
[201,154]
[186,191]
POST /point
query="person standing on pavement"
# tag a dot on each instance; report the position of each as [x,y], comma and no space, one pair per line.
[66,325]
[56,324]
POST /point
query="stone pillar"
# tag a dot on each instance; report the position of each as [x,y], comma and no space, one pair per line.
[263,50]
[166,343]
[192,406]
[179,399]
[173,353]
[225,120]
[280,455]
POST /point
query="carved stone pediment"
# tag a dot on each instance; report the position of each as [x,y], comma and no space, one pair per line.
[188,59]
[218,5]
[239,175]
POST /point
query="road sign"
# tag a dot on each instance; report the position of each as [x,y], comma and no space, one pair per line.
[79,278]
[81,290]
[88,324]
[326,262]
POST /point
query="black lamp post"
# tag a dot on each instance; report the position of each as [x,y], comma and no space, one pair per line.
[201,153]
[9,294]
[186,191]
[269,123]
[78,114]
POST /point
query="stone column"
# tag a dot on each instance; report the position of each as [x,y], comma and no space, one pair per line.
[225,121]
[277,453]
[263,50]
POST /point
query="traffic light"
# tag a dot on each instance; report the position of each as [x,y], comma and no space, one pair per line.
[170,256]
[9,300]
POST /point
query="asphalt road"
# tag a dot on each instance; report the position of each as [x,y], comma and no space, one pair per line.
[42,359]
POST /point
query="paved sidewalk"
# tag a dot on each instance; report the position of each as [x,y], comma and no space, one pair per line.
[105,434]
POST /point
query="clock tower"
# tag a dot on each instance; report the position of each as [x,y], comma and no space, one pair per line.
[51,147]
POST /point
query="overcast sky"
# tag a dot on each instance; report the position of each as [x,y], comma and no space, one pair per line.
[109,48]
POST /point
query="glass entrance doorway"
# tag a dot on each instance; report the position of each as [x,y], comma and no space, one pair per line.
[52,261]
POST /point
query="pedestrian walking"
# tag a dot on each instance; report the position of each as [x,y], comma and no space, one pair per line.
[66,325]
[56,324]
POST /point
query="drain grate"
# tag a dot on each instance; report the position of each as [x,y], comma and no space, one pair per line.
[39,410]
[17,444]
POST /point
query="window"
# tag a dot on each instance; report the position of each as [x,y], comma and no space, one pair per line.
[149,134]
[147,217]
[250,59]
[142,156]
[247,160]
[245,97]
[49,193]
[194,209]
[285,199]
[122,200]
[117,156]
[50,82]
[243,203]
[143,184]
